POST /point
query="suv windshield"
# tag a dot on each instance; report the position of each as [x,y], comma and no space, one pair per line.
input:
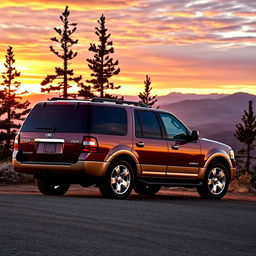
[57,118]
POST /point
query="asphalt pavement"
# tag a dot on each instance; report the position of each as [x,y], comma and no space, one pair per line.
[90,225]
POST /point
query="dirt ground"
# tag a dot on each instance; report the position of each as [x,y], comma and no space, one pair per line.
[77,190]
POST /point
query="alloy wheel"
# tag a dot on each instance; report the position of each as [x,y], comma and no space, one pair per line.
[216,181]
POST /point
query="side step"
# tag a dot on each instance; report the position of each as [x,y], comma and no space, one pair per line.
[171,182]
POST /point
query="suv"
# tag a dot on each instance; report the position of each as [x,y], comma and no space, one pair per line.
[118,146]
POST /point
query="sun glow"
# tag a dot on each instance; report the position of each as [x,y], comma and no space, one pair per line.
[199,50]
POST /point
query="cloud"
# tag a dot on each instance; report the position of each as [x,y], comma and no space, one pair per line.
[139,28]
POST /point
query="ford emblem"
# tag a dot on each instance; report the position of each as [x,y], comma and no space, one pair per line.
[49,135]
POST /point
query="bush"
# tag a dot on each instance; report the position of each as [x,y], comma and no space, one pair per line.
[242,184]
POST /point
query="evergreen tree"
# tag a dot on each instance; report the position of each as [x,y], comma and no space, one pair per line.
[102,65]
[12,109]
[65,75]
[246,133]
[145,95]
[86,91]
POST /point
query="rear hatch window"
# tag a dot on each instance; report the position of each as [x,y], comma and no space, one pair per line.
[53,132]
[58,118]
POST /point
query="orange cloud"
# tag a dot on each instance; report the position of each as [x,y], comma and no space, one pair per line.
[182,45]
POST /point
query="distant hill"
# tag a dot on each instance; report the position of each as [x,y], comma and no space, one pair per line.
[175,97]
[214,118]
[162,100]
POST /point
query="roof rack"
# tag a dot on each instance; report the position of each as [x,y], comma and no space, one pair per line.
[56,98]
[134,103]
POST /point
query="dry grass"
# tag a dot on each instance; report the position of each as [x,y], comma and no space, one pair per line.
[241,184]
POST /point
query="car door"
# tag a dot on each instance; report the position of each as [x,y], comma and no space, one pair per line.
[184,155]
[149,143]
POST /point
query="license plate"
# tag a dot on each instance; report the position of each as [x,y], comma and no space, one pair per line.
[49,148]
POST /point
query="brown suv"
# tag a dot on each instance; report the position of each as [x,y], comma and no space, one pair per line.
[118,145]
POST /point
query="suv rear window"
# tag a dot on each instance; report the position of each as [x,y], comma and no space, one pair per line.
[109,120]
[57,117]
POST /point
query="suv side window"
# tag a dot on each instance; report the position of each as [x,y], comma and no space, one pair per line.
[174,128]
[147,125]
[109,120]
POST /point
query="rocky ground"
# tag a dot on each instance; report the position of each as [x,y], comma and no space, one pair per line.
[8,176]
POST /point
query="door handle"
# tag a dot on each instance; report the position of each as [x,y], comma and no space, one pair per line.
[140,144]
[175,147]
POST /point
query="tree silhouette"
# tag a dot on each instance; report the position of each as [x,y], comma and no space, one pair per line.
[145,95]
[65,75]
[102,64]
[246,133]
[12,108]
[86,91]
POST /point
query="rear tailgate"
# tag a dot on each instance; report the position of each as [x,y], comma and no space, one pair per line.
[54,132]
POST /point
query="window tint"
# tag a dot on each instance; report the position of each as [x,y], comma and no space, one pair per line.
[150,127]
[109,120]
[174,128]
[58,118]
[138,130]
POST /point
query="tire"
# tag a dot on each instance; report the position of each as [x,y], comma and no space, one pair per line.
[144,189]
[215,183]
[118,181]
[48,188]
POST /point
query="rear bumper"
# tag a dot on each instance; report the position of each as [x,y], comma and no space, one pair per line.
[92,168]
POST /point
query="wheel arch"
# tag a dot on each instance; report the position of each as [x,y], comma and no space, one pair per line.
[219,158]
[128,156]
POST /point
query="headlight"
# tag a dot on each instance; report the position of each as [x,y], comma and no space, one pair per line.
[232,154]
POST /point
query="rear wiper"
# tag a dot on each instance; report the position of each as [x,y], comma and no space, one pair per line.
[53,129]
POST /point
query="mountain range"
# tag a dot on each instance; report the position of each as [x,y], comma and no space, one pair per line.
[215,118]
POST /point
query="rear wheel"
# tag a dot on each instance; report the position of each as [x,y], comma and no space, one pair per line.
[215,183]
[118,181]
[48,188]
[144,189]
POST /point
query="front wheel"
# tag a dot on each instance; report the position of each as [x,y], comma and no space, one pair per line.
[215,183]
[118,181]
[48,188]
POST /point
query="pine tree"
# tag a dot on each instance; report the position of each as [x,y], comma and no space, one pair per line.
[65,75]
[145,95]
[102,64]
[12,108]
[246,133]
[86,91]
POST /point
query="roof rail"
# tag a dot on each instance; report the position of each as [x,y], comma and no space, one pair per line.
[56,98]
[134,103]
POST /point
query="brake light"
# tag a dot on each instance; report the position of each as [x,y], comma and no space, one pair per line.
[16,142]
[90,144]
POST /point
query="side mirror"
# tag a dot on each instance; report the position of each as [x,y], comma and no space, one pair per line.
[195,135]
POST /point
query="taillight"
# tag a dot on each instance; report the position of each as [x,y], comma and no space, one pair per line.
[16,142]
[90,144]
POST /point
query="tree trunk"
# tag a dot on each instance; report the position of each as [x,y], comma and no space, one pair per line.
[65,79]
[248,159]
[65,76]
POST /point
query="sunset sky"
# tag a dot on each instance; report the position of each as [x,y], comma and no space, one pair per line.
[184,46]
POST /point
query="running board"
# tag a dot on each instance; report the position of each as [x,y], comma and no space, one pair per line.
[171,182]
